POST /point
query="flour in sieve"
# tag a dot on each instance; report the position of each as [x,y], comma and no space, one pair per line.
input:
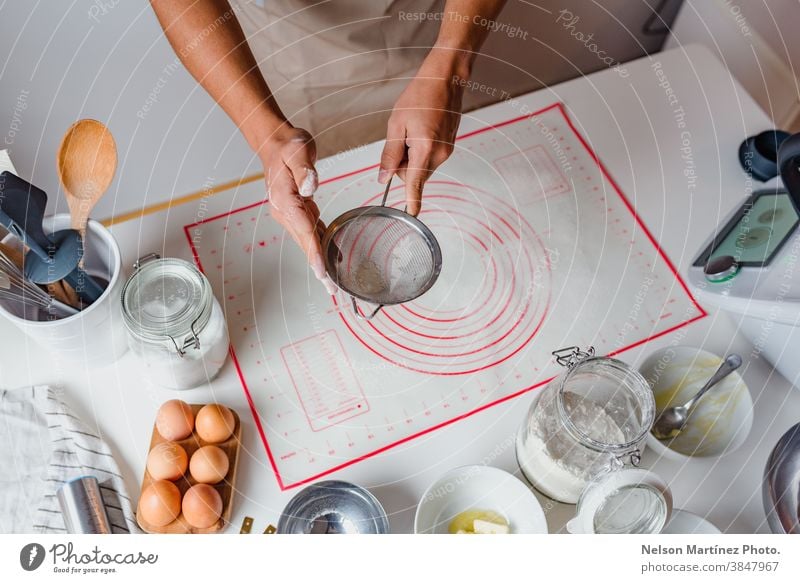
[370,279]
[404,269]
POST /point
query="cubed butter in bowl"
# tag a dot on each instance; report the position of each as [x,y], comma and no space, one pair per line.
[479,500]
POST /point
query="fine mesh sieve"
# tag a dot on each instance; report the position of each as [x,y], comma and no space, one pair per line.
[381,255]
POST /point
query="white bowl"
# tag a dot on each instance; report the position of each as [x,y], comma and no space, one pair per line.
[722,419]
[479,488]
[683,522]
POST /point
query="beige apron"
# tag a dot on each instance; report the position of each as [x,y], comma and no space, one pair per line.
[337,67]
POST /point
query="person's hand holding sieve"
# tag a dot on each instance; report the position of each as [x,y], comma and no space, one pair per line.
[423,126]
[421,129]
[288,159]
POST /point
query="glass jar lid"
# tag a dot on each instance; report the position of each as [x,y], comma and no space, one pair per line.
[166,299]
[630,501]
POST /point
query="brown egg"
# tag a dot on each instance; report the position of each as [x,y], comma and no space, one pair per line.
[160,503]
[167,461]
[202,506]
[214,423]
[175,420]
[209,465]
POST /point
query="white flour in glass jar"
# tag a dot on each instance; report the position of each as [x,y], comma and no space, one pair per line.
[175,324]
[165,367]
[556,464]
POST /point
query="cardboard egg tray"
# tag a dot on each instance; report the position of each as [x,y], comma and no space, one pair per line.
[225,488]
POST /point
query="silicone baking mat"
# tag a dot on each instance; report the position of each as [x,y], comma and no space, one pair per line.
[540,249]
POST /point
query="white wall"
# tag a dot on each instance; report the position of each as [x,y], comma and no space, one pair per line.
[758,41]
[553,51]
[60,65]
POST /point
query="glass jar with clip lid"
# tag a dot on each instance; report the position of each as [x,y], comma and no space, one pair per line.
[175,324]
[581,442]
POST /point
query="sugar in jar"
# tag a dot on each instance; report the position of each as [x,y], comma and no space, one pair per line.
[175,325]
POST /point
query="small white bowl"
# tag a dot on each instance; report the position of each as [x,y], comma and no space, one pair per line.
[479,488]
[683,522]
[722,419]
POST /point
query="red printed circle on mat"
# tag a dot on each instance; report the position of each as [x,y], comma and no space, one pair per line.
[490,300]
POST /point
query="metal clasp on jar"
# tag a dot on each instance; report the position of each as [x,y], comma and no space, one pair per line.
[194,340]
[145,259]
[634,458]
[572,355]
[191,342]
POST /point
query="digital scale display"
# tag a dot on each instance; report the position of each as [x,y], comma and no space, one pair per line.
[756,232]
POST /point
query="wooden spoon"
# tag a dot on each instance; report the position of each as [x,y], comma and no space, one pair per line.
[86,163]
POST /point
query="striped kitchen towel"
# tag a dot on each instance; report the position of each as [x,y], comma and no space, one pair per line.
[43,445]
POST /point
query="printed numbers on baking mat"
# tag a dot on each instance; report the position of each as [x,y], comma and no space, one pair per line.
[540,250]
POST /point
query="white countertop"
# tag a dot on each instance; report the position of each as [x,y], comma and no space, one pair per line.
[680,194]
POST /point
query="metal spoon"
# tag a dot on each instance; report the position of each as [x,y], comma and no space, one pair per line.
[672,420]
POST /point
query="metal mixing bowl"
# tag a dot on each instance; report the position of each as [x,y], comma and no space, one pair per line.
[333,507]
[781,490]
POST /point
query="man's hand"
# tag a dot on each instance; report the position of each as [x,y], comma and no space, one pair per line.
[422,128]
[288,159]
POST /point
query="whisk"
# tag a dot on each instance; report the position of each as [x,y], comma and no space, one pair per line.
[15,287]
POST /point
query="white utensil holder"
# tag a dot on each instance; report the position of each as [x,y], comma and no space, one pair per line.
[96,335]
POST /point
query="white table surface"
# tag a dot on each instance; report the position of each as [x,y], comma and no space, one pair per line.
[634,129]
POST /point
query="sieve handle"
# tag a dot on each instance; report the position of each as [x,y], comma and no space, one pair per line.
[386,192]
[386,195]
[359,315]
